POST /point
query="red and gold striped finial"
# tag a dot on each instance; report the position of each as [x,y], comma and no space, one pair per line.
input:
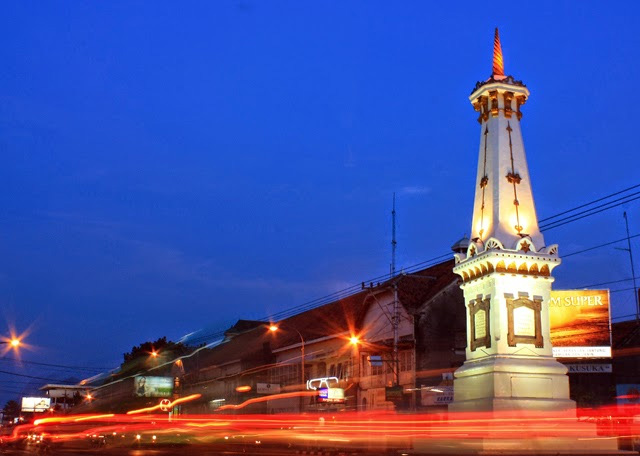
[498,63]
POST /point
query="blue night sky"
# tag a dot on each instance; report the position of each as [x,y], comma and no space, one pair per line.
[173,166]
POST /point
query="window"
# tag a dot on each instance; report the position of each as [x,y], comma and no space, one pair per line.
[321,370]
[286,374]
[406,360]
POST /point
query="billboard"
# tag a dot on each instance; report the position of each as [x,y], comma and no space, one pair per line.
[153,386]
[580,323]
[36,404]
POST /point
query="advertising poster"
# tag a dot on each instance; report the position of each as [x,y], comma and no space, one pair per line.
[153,386]
[36,404]
[580,323]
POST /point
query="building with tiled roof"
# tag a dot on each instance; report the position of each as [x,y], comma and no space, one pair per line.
[257,364]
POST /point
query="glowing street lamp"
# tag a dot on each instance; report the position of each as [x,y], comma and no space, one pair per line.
[14,342]
[273,328]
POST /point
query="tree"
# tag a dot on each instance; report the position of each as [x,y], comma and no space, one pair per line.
[162,347]
[11,410]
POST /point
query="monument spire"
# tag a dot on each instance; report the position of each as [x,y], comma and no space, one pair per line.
[498,63]
[506,270]
[504,210]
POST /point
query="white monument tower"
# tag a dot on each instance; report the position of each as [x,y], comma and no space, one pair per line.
[506,272]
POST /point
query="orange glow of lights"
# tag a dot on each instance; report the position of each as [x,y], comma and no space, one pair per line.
[89,396]
[271,397]
[15,342]
[354,340]
[94,417]
[171,405]
[154,354]
[498,63]
[273,328]
[243,389]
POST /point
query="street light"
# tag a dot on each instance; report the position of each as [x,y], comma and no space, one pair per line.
[354,341]
[273,328]
[13,342]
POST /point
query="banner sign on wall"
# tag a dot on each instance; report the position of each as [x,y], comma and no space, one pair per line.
[580,323]
[436,395]
[153,386]
[589,368]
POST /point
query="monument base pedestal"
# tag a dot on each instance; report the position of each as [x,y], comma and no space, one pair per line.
[513,437]
[512,383]
[518,404]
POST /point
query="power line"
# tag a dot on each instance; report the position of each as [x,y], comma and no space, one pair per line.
[589,203]
[598,246]
[607,283]
[587,213]
[29,376]
[348,291]
[59,366]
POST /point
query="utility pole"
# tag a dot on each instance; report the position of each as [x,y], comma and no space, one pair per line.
[633,273]
[396,305]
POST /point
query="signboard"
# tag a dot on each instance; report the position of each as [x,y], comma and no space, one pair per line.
[335,395]
[580,323]
[36,404]
[153,386]
[436,395]
[324,382]
[393,393]
[589,368]
[267,388]
[628,394]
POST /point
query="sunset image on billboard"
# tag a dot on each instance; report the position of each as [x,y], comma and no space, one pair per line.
[580,323]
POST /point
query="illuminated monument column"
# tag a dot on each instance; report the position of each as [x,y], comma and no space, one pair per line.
[506,272]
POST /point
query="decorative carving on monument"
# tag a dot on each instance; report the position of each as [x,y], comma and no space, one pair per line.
[482,106]
[493,96]
[524,322]
[508,96]
[483,182]
[507,80]
[493,244]
[514,178]
[479,323]
[520,100]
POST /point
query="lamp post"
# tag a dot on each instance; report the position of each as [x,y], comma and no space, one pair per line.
[275,327]
[15,343]
[354,341]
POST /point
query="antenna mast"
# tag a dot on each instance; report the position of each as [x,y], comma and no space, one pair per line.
[393,237]
[396,305]
[633,273]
